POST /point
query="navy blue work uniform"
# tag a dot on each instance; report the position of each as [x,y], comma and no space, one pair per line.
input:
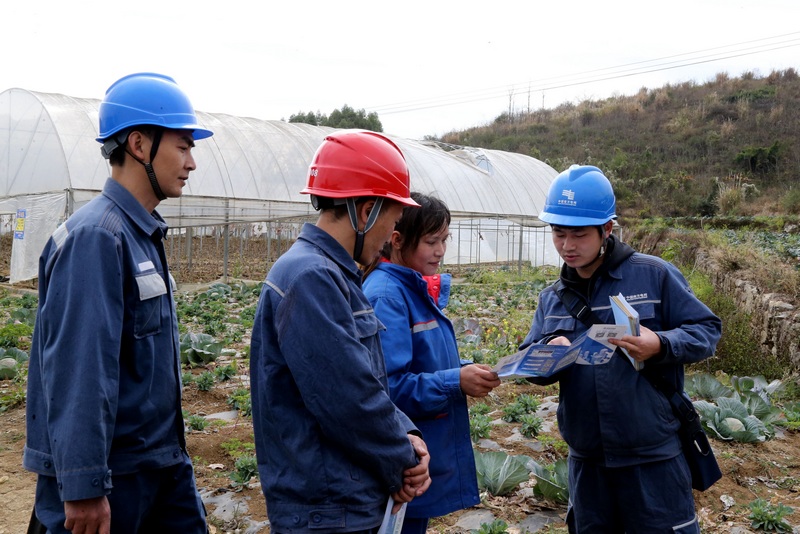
[331,445]
[104,392]
[627,473]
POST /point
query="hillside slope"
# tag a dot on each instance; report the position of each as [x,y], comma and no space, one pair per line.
[669,150]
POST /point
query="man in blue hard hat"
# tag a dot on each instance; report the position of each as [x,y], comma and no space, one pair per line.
[105,431]
[626,470]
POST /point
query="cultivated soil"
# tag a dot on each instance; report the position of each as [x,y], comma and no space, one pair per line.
[768,470]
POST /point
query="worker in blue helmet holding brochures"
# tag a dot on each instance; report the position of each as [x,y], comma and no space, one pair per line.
[105,431]
[627,472]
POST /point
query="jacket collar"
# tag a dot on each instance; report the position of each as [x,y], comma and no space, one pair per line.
[149,223]
[332,248]
[436,286]
[616,253]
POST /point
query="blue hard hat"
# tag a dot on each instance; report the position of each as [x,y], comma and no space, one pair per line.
[579,196]
[147,98]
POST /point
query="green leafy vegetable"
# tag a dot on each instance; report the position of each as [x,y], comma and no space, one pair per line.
[499,473]
[552,482]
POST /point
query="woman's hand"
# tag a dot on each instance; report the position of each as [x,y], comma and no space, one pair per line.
[477,380]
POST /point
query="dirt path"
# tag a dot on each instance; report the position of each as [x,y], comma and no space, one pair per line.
[16,485]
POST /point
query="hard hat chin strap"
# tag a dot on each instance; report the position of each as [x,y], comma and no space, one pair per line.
[148,167]
[373,216]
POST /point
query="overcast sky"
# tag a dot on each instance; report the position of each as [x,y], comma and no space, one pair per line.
[426,68]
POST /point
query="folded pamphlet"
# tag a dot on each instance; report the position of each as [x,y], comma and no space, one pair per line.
[393,523]
[626,315]
[591,348]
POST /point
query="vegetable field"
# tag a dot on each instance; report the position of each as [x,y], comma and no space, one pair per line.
[519,452]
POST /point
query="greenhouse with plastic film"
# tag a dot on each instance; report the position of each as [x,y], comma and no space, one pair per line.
[247,184]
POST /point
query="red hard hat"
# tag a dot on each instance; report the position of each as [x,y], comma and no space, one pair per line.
[359,163]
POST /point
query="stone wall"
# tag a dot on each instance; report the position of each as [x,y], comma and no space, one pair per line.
[773,316]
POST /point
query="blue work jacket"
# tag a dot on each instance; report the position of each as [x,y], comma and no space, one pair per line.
[423,364]
[331,445]
[611,414]
[104,373]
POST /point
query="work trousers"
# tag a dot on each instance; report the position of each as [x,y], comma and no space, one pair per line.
[651,498]
[159,500]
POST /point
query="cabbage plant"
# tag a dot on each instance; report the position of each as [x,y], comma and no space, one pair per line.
[199,349]
[552,482]
[10,360]
[729,420]
[499,473]
[742,412]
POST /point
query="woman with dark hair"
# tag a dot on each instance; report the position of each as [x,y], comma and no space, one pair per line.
[427,379]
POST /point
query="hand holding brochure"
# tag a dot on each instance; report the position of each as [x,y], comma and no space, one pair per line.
[591,348]
[625,314]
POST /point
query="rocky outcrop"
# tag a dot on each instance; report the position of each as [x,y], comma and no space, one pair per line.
[773,315]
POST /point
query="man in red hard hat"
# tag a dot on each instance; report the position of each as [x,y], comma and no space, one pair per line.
[332,447]
[104,422]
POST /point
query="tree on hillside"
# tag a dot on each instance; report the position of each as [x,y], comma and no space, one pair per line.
[347,117]
[308,118]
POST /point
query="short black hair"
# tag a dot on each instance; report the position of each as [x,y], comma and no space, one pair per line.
[431,216]
[117,157]
[600,227]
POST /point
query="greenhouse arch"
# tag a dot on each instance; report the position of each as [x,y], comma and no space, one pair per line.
[248,178]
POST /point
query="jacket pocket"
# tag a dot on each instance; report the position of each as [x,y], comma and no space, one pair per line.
[147,315]
[367,323]
[367,327]
[559,325]
[646,310]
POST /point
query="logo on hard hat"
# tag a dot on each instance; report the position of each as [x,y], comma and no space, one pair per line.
[570,198]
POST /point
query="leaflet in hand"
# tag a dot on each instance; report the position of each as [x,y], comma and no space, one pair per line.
[591,348]
[393,523]
[625,314]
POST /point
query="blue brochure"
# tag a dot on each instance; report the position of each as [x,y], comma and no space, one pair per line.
[591,348]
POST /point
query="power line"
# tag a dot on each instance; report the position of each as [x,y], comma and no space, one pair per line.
[593,76]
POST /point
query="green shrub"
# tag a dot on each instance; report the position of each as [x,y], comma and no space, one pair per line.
[769,517]
[480,408]
[791,201]
[246,467]
[739,350]
[792,413]
[205,381]
[513,412]
[729,201]
[498,526]
[12,397]
[16,335]
[524,404]
[531,425]
[479,426]
[236,448]
[557,444]
[240,400]
[197,422]
[226,372]
[529,402]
